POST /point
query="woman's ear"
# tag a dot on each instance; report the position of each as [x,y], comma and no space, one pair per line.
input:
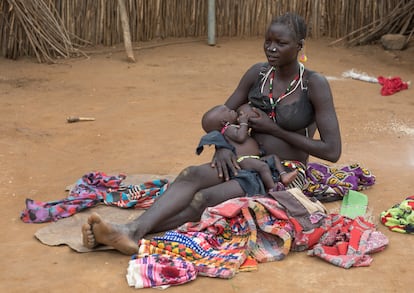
[303,58]
[301,44]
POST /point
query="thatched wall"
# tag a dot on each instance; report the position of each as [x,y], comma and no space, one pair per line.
[54,27]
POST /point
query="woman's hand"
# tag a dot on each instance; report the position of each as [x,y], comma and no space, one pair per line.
[225,161]
[262,123]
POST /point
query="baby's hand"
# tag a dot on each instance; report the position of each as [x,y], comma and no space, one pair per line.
[243,118]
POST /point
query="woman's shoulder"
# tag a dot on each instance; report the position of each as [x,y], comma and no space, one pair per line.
[314,77]
[317,85]
[255,71]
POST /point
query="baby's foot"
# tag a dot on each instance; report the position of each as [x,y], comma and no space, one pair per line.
[288,178]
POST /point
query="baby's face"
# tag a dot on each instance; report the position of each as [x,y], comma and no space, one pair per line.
[228,115]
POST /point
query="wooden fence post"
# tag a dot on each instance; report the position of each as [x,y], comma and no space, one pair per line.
[125,28]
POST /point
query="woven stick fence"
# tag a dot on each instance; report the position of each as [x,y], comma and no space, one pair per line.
[48,29]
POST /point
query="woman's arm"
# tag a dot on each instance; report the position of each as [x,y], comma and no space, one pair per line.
[328,147]
[239,96]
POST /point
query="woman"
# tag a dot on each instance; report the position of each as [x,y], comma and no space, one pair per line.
[291,103]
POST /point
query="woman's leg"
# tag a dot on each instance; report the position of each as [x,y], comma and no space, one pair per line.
[204,198]
[176,198]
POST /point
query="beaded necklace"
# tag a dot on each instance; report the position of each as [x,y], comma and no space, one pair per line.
[288,91]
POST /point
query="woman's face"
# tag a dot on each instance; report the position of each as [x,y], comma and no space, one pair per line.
[280,45]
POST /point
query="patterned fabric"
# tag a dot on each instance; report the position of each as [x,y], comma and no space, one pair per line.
[88,192]
[347,242]
[330,183]
[140,196]
[300,179]
[229,236]
[159,270]
[400,217]
[92,189]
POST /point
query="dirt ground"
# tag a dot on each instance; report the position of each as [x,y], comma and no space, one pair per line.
[148,121]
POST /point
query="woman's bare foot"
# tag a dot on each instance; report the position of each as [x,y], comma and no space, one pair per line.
[287,178]
[97,231]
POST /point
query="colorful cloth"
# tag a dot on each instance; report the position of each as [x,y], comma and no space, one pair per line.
[233,233]
[400,217]
[391,85]
[157,270]
[90,190]
[140,196]
[347,242]
[331,183]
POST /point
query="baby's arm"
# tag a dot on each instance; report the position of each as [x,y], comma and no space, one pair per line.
[238,133]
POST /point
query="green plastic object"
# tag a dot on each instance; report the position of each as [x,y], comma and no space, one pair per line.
[354,204]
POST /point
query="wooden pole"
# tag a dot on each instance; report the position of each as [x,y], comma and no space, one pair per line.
[211,22]
[125,28]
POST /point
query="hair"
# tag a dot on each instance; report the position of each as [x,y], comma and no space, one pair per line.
[293,21]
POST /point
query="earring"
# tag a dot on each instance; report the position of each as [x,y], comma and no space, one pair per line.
[303,58]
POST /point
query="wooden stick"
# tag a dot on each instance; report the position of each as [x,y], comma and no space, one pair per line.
[72,119]
[125,28]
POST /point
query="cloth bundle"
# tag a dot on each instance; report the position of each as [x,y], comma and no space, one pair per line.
[391,85]
[328,183]
[347,242]
[400,217]
[157,270]
[235,234]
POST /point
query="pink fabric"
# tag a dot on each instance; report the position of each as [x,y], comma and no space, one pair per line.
[159,270]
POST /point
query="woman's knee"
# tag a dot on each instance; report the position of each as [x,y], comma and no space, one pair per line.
[190,173]
[199,202]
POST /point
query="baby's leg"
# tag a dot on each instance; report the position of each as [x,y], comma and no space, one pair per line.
[260,167]
[285,177]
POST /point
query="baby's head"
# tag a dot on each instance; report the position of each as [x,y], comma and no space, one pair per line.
[217,117]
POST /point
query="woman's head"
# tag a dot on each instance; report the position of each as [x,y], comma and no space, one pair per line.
[217,117]
[284,39]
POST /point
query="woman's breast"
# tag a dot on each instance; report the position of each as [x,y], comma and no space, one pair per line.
[295,116]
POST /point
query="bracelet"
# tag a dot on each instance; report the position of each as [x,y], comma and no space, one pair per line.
[243,123]
[282,173]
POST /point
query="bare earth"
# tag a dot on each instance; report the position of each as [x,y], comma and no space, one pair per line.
[148,121]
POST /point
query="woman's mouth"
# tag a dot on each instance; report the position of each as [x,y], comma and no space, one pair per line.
[272,58]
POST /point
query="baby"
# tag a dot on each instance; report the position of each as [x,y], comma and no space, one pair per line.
[235,129]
